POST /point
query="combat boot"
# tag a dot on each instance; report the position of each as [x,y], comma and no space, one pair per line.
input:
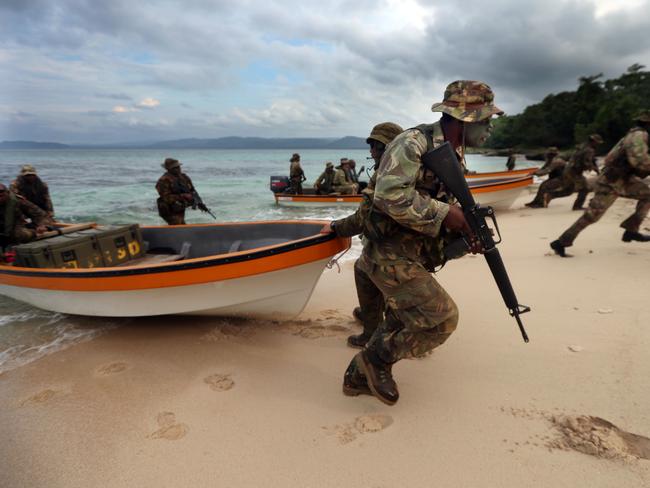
[360,340]
[354,382]
[378,375]
[630,235]
[534,204]
[559,249]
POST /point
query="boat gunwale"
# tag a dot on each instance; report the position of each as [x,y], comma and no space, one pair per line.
[182,265]
[515,173]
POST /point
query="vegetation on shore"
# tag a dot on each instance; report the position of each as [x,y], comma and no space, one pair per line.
[567,118]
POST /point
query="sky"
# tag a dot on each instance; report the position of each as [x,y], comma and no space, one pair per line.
[87,71]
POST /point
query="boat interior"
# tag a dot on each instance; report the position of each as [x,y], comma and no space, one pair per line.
[187,242]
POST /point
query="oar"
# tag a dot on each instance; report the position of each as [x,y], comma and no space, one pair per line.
[66,230]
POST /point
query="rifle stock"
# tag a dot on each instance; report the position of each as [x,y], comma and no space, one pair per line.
[443,163]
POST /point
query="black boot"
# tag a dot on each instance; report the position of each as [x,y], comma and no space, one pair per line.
[559,249]
[354,382]
[359,340]
[630,235]
[357,313]
[378,375]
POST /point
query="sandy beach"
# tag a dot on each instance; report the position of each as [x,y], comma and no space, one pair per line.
[182,401]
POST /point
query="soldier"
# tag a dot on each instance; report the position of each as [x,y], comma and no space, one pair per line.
[626,164]
[371,301]
[405,236]
[175,189]
[583,159]
[553,167]
[324,185]
[510,164]
[31,187]
[14,211]
[342,180]
[296,175]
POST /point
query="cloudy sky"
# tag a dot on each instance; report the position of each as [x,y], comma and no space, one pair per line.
[86,71]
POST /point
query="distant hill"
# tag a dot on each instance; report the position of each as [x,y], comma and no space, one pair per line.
[263,143]
[31,145]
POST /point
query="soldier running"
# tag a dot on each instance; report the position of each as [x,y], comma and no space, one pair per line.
[554,168]
[626,164]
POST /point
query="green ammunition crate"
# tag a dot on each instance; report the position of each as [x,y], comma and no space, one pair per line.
[72,250]
[120,244]
[90,248]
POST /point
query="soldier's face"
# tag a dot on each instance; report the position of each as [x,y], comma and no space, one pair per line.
[476,133]
[376,150]
[175,171]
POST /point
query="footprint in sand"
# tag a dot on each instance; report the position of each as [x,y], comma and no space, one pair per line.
[169,429]
[365,424]
[38,398]
[112,368]
[219,382]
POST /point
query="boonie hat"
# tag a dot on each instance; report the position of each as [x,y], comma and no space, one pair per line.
[468,100]
[28,169]
[171,163]
[642,116]
[329,165]
[384,133]
[295,157]
[552,150]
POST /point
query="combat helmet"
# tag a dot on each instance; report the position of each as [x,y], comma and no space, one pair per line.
[171,163]
[468,100]
[552,150]
[28,169]
[384,133]
[642,116]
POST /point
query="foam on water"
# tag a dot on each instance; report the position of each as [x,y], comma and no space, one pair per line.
[118,186]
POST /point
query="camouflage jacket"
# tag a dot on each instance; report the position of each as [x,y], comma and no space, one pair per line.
[295,170]
[325,180]
[170,188]
[629,156]
[341,178]
[404,221]
[15,212]
[553,169]
[583,159]
[38,193]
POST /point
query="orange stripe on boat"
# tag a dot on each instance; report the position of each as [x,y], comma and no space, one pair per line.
[490,188]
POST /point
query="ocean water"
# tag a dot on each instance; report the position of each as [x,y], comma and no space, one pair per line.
[115,186]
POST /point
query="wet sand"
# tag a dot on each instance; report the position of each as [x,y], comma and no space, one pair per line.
[181,401]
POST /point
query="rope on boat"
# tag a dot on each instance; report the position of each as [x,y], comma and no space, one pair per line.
[335,260]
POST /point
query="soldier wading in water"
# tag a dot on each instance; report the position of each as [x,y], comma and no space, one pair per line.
[410,219]
[176,193]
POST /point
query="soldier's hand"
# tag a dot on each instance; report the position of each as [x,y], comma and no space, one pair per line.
[455,221]
[326,229]
[41,229]
[187,197]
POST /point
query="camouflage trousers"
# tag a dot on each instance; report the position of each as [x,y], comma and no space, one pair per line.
[346,189]
[606,194]
[371,300]
[295,186]
[550,185]
[420,315]
[569,186]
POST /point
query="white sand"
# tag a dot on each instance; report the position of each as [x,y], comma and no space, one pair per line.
[169,402]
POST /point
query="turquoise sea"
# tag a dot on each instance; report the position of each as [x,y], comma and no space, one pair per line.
[118,186]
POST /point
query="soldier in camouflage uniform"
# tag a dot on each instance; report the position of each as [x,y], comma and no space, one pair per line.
[175,189]
[626,164]
[371,301]
[296,175]
[31,187]
[343,183]
[510,163]
[324,185]
[573,180]
[14,212]
[554,168]
[406,227]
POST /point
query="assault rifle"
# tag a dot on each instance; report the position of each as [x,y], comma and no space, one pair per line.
[197,201]
[443,162]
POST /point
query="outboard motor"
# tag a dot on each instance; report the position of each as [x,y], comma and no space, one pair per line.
[279,184]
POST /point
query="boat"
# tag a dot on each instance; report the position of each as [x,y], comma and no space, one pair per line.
[498,192]
[249,269]
[497,175]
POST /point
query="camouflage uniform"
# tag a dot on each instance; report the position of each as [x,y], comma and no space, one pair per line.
[573,180]
[325,182]
[171,205]
[343,181]
[510,163]
[371,300]
[14,228]
[554,168]
[626,164]
[405,242]
[296,175]
[35,191]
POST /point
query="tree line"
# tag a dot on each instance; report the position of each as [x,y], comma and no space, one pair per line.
[567,118]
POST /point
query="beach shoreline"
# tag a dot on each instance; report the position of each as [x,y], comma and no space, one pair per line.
[186,401]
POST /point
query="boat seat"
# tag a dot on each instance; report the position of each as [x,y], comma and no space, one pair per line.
[185,249]
[235,246]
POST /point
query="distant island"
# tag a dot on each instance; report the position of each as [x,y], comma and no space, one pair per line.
[348,142]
